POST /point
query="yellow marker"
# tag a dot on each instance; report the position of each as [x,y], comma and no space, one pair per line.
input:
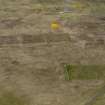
[55,25]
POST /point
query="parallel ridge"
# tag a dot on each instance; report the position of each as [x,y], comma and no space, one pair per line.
[24,39]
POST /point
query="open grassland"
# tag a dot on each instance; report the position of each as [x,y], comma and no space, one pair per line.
[32,56]
[85,72]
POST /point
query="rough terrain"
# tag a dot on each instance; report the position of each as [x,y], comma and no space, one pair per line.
[32,56]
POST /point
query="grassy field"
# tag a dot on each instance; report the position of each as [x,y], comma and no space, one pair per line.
[85,72]
[32,55]
[9,98]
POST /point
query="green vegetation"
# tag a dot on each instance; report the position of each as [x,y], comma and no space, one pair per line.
[8,98]
[84,72]
[67,72]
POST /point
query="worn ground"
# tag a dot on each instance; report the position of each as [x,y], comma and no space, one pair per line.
[32,55]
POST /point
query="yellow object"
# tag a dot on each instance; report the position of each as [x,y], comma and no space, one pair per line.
[55,25]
